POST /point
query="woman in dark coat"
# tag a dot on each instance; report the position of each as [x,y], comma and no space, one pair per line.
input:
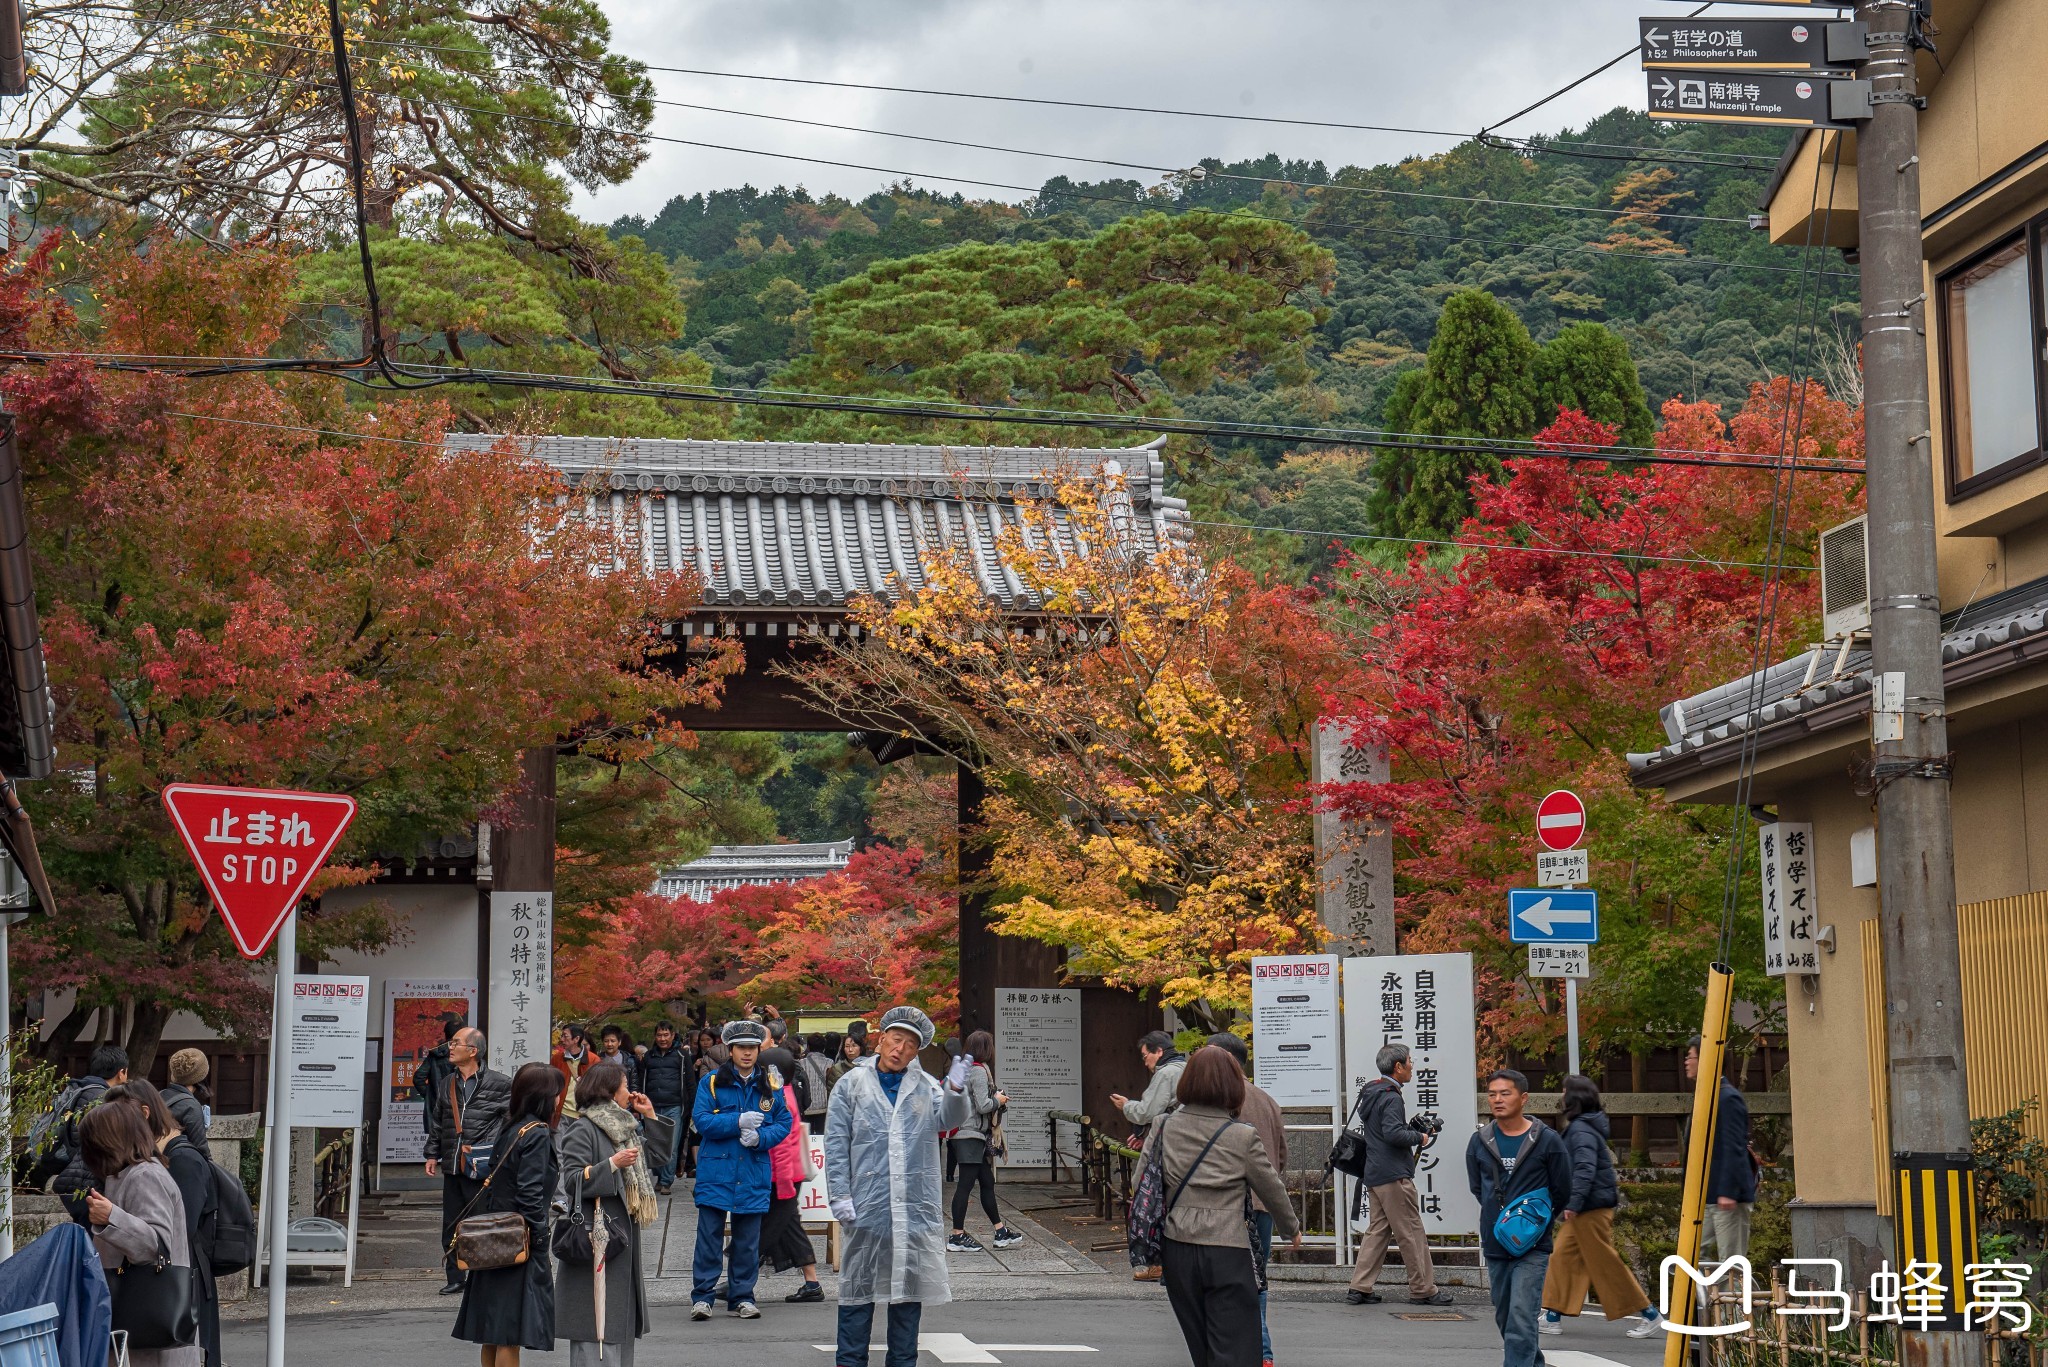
[191,1168]
[604,1167]
[505,1309]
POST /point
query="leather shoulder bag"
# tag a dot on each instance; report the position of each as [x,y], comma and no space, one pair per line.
[154,1304]
[483,1243]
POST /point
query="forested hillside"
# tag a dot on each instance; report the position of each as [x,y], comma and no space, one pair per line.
[1585,227]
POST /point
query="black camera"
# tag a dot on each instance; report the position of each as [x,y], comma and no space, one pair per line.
[1429,1122]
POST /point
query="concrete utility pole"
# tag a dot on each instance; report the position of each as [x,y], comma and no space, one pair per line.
[1930,1111]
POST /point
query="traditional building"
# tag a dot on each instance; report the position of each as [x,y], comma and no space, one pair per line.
[1806,720]
[752,866]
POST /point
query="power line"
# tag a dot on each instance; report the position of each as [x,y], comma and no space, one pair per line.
[1574,85]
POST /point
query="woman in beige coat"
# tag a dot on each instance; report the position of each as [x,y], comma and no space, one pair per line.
[1213,1161]
[135,1213]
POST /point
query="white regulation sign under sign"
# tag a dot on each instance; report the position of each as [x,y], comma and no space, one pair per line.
[1294,1028]
[1425,1002]
[1560,961]
[329,1020]
[1563,869]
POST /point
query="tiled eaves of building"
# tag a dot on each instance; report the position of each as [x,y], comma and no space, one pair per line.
[2000,634]
[810,526]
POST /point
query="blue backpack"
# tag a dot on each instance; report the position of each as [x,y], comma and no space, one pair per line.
[1524,1220]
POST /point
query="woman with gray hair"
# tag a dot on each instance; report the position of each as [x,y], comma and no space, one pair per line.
[605,1172]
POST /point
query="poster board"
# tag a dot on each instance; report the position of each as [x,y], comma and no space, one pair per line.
[1296,1028]
[1425,1002]
[521,974]
[414,1010]
[1038,1065]
[330,1025]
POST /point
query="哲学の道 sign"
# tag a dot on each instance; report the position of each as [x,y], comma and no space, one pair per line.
[1425,1002]
[1771,44]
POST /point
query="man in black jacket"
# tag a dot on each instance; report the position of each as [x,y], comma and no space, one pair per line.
[1391,1147]
[430,1078]
[1731,1177]
[1505,1161]
[665,1077]
[469,1112]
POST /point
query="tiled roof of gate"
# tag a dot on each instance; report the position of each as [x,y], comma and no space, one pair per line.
[1779,707]
[814,524]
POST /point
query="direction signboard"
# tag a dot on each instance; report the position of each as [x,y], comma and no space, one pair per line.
[1560,961]
[1553,916]
[1773,44]
[1752,97]
[1560,820]
[257,849]
[1563,869]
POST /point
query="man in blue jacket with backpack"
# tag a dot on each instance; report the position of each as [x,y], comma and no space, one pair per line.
[1522,1174]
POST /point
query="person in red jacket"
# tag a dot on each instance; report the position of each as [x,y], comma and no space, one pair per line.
[784,1244]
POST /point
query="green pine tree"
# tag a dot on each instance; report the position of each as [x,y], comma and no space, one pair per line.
[1587,367]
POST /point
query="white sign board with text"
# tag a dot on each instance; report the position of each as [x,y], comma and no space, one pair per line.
[1295,1028]
[1425,1002]
[1563,869]
[811,1206]
[522,978]
[1038,1065]
[330,1026]
[1560,961]
[1791,903]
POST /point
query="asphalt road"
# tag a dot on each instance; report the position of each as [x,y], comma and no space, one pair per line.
[1064,1332]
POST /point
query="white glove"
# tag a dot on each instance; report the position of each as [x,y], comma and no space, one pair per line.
[751,1120]
[956,1076]
[842,1211]
[750,1139]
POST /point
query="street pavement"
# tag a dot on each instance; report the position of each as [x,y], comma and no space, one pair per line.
[1056,1332]
[1044,1303]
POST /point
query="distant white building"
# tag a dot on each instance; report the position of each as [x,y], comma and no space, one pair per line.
[741,866]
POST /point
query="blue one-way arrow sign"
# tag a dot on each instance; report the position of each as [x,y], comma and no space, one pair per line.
[1553,916]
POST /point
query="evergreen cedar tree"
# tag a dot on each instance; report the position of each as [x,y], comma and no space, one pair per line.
[1502,673]
[244,605]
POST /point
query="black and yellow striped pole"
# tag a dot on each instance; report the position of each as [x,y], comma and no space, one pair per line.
[1934,1225]
[1706,1101]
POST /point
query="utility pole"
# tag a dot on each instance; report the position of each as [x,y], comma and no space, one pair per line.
[1929,1103]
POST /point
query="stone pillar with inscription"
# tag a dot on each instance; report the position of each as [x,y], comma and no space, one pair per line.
[1354,859]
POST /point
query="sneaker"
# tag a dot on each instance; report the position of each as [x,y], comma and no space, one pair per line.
[803,1295]
[1007,1237]
[1440,1298]
[1145,1274]
[1551,1323]
[962,1243]
[1647,1323]
[701,1310]
[1362,1297]
[747,1310]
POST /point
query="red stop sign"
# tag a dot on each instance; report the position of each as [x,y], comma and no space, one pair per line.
[256,849]
[1560,820]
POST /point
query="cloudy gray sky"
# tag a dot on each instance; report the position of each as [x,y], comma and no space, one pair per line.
[1435,64]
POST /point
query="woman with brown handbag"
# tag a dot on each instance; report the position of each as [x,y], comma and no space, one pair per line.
[604,1157]
[512,1306]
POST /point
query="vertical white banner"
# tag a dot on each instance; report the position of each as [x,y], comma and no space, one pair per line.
[811,1206]
[1038,1065]
[1295,1029]
[414,1011]
[1790,902]
[522,979]
[1425,1002]
[330,1025]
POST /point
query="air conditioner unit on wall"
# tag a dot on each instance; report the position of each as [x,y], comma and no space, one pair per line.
[1845,579]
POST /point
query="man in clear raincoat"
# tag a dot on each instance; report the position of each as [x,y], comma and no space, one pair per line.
[884,1181]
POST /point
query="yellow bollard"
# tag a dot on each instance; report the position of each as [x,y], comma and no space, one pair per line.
[1706,1106]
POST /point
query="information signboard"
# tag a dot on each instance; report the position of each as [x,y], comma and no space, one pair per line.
[415,1009]
[522,978]
[1425,1002]
[330,1024]
[1038,1065]
[1295,1028]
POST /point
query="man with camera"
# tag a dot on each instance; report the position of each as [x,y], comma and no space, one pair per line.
[1392,1144]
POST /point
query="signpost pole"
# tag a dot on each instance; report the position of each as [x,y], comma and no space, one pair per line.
[1571,1028]
[279,1213]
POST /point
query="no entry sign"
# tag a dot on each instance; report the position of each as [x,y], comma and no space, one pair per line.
[256,849]
[1560,820]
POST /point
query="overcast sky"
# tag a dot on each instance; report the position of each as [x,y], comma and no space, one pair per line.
[1435,64]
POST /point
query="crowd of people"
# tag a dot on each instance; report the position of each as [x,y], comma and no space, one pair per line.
[594,1137]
